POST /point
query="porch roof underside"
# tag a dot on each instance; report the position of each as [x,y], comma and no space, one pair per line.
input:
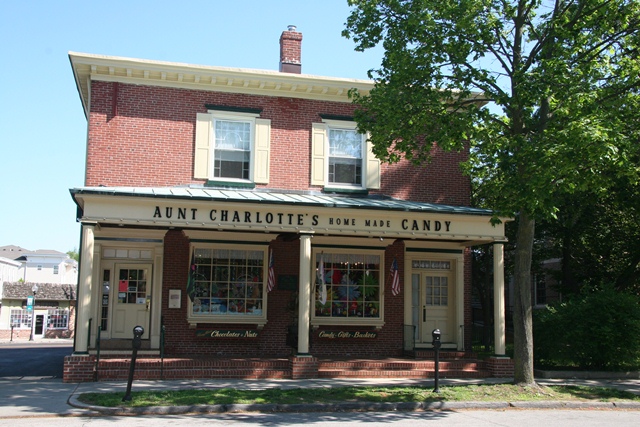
[310,199]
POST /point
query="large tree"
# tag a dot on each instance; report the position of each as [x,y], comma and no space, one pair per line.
[559,84]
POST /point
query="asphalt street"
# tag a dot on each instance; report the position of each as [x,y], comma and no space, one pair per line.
[41,359]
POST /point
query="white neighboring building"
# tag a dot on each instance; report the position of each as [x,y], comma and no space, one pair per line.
[48,266]
[9,270]
[53,275]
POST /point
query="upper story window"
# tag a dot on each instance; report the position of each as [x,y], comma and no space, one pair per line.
[56,269]
[342,158]
[232,146]
[345,157]
[232,149]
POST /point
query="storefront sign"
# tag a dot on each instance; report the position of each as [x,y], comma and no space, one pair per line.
[227,333]
[347,334]
[266,218]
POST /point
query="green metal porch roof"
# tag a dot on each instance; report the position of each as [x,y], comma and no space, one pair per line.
[311,199]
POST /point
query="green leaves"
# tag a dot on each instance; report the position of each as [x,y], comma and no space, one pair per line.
[555,78]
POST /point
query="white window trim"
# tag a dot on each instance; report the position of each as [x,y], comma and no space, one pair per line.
[260,320]
[320,157]
[205,146]
[347,321]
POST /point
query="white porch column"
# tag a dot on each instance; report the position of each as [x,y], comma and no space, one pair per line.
[84,292]
[498,299]
[304,292]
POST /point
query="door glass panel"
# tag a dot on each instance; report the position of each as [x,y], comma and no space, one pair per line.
[132,285]
[436,291]
[415,303]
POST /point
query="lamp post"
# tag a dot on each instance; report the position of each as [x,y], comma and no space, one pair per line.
[33,311]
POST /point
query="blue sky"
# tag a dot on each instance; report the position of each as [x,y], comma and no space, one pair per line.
[42,126]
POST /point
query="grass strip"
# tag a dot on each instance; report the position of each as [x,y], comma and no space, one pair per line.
[471,393]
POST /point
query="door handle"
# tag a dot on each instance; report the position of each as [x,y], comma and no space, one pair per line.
[424,314]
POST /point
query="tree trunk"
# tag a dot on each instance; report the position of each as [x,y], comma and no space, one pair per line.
[522,314]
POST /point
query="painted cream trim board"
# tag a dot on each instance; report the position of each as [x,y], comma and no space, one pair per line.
[318,153]
[87,67]
[261,151]
[141,211]
[372,167]
[202,153]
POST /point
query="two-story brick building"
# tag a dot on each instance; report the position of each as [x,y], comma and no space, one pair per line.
[238,214]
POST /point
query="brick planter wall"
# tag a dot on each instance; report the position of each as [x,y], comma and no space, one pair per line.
[500,367]
[79,369]
[303,367]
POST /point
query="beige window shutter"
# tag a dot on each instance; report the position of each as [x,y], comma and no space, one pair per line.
[203,147]
[319,153]
[262,145]
[373,167]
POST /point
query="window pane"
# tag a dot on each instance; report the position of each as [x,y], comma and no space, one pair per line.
[231,164]
[345,143]
[231,282]
[232,149]
[345,171]
[353,285]
[58,319]
[345,156]
[233,135]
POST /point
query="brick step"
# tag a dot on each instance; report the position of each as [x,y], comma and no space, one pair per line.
[412,374]
[184,374]
[150,368]
[175,363]
[462,368]
[430,354]
[179,368]
[401,365]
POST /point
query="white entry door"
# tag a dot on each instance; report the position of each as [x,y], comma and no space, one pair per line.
[132,298]
[438,306]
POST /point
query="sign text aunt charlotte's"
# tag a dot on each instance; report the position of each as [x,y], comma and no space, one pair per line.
[276,218]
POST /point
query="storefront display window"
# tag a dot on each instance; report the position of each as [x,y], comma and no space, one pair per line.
[229,283]
[352,283]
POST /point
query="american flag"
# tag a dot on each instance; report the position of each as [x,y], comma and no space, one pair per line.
[271,282]
[323,285]
[395,278]
[191,281]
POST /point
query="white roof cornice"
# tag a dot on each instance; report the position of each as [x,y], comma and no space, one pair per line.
[87,67]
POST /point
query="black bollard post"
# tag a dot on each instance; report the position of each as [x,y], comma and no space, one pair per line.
[436,346]
[137,343]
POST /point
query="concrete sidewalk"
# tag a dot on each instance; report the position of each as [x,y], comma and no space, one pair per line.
[33,397]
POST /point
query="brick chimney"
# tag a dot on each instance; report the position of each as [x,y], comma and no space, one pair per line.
[291,51]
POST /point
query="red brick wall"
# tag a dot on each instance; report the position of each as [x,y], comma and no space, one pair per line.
[150,142]
[78,369]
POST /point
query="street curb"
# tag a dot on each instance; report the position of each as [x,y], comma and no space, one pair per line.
[586,375]
[349,407]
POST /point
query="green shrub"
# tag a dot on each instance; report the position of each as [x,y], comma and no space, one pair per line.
[594,330]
